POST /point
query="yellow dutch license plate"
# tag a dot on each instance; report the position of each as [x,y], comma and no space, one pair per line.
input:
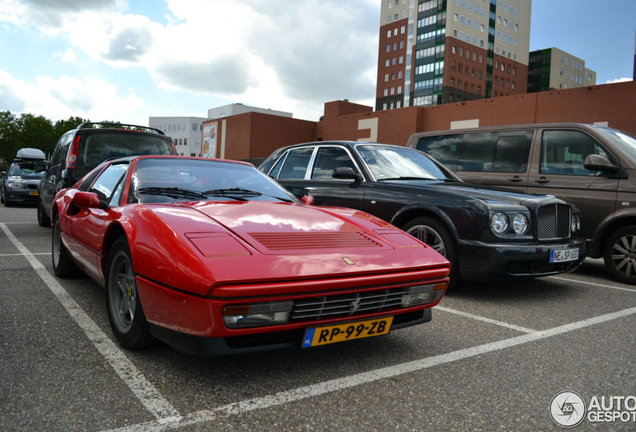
[315,336]
[33,193]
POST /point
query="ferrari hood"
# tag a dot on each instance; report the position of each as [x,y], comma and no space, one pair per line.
[275,229]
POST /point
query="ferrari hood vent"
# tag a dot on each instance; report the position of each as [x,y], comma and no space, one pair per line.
[278,241]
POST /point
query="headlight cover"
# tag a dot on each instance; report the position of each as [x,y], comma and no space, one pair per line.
[513,223]
[520,223]
[499,223]
[16,185]
[257,314]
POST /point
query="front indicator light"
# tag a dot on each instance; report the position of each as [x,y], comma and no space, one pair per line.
[257,314]
[499,223]
[576,223]
[423,294]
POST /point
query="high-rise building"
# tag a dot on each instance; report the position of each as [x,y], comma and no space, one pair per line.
[440,51]
[553,68]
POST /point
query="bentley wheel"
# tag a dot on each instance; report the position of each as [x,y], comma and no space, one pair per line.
[43,219]
[620,255]
[125,313]
[432,232]
[63,266]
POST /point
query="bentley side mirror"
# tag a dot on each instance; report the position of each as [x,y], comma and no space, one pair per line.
[346,173]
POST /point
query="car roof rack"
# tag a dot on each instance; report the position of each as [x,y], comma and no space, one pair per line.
[150,129]
[29,154]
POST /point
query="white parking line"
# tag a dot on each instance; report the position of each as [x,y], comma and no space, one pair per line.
[19,254]
[593,284]
[488,320]
[148,395]
[367,377]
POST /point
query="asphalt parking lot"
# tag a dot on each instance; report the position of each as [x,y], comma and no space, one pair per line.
[493,358]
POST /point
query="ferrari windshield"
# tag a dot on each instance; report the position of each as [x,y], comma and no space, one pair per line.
[181,179]
[401,163]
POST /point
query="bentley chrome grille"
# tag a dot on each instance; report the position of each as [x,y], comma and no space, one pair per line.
[317,308]
[553,222]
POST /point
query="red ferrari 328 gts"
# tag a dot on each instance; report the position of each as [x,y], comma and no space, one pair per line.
[213,257]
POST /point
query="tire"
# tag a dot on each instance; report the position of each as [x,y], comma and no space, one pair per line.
[123,305]
[43,219]
[432,232]
[1,197]
[620,255]
[63,265]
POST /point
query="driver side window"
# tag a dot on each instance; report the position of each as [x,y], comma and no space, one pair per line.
[564,151]
[329,158]
[107,183]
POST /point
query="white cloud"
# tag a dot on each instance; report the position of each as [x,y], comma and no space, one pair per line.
[69,56]
[65,97]
[289,56]
[617,80]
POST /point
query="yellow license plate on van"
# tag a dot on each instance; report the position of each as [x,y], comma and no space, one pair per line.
[315,336]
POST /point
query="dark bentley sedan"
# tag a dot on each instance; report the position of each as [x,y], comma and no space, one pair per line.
[486,233]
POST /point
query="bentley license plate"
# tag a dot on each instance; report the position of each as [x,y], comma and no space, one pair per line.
[315,336]
[564,255]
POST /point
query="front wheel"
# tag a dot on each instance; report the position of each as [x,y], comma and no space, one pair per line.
[43,219]
[620,255]
[123,305]
[63,266]
[432,232]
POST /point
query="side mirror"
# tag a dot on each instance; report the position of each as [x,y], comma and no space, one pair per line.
[308,200]
[596,162]
[88,200]
[346,173]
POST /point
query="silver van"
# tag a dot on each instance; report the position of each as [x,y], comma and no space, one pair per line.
[593,167]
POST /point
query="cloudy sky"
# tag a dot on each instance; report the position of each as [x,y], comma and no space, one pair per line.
[130,60]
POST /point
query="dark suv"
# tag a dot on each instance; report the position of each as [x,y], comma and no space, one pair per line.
[80,150]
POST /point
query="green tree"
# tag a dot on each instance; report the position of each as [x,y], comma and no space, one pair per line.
[36,132]
[8,138]
[63,126]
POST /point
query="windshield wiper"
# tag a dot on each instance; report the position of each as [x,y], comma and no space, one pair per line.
[172,192]
[407,178]
[240,192]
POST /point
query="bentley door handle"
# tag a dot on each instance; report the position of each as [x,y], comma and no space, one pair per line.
[515,179]
[542,180]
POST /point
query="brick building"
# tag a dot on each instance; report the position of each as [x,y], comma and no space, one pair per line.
[253,136]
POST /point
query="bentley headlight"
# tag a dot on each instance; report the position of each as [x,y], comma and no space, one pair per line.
[520,223]
[499,223]
[576,222]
